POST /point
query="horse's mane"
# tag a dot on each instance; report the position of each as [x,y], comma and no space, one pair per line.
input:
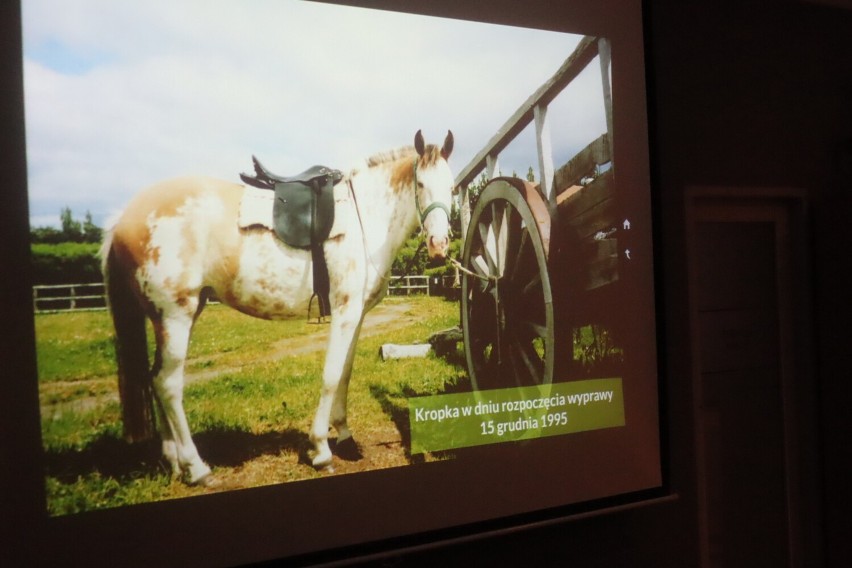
[380,158]
[403,172]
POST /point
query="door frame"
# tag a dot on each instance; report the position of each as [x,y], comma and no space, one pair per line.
[787,209]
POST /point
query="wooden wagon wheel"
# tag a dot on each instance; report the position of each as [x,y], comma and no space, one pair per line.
[507,307]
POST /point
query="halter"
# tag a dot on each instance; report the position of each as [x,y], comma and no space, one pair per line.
[432,206]
[423,214]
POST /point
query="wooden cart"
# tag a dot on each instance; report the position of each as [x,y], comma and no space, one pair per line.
[540,261]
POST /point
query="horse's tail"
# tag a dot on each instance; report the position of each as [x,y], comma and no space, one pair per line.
[131,347]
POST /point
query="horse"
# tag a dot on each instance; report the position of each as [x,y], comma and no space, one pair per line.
[178,242]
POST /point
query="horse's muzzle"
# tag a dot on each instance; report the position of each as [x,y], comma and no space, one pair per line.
[437,247]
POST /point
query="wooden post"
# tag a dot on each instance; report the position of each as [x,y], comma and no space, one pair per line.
[545,149]
[605,56]
[492,166]
[464,212]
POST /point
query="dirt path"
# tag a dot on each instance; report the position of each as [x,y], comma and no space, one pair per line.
[386,316]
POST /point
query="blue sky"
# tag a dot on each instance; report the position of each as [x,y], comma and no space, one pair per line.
[120,95]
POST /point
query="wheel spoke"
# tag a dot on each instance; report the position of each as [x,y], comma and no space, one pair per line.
[532,285]
[480,266]
[533,329]
[507,309]
[486,234]
[525,254]
[502,224]
[515,241]
[532,363]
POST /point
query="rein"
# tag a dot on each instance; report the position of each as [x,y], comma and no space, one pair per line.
[361,223]
[422,216]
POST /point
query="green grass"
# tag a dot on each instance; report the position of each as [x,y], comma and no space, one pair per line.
[74,346]
[256,406]
[78,346]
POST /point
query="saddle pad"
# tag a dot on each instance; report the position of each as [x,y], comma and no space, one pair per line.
[256,208]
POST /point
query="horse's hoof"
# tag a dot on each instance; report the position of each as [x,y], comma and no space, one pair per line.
[322,463]
[207,481]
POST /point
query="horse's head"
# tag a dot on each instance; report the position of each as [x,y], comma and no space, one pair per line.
[433,193]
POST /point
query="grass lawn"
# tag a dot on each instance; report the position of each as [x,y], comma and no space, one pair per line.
[252,389]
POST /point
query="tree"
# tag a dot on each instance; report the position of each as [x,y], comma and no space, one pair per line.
[91,232]
[47,235]
[71,228]
[71,231]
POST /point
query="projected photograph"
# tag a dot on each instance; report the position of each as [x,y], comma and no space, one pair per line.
[288,241]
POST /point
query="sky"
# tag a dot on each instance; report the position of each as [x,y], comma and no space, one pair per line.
[120,95]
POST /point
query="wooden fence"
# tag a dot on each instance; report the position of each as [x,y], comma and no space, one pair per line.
[429,285]
[79,297]
[69,297]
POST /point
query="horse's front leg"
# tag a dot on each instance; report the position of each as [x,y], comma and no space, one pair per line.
[339,358]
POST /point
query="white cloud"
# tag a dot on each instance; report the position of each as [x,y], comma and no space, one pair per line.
[160,89]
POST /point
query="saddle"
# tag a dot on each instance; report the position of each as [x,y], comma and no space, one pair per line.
[302,215]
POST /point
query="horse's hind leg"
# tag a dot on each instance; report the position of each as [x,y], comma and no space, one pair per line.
[166,438]
[172,332]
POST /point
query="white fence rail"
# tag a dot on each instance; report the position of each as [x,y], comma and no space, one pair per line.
[407,285]
[91,296]
[69,297]
[420,284]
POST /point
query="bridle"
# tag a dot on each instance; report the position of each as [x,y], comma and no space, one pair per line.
[421,216]
[431,207]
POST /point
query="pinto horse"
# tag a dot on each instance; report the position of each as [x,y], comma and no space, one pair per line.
[179,241]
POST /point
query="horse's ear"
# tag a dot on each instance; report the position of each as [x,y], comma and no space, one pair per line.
[448,145]
[419,144]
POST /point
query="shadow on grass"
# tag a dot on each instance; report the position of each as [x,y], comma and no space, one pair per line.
[398,413]
[116,458]
[394,402]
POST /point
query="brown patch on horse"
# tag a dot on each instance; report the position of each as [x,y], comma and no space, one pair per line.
[230,262]
[382,158]
[403,174]
[128,246]
[430,156]
[132,229]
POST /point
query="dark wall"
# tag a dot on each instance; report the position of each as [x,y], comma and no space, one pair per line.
[744,93]
[760,94]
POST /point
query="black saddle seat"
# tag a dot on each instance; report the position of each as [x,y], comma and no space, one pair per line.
[303,210]
[265,179]
[302,214]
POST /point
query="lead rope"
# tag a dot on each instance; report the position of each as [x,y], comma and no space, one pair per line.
[461,268]
[361,223]
[364,237]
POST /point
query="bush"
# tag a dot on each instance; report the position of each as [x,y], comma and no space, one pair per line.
[66,263]
[421,264]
